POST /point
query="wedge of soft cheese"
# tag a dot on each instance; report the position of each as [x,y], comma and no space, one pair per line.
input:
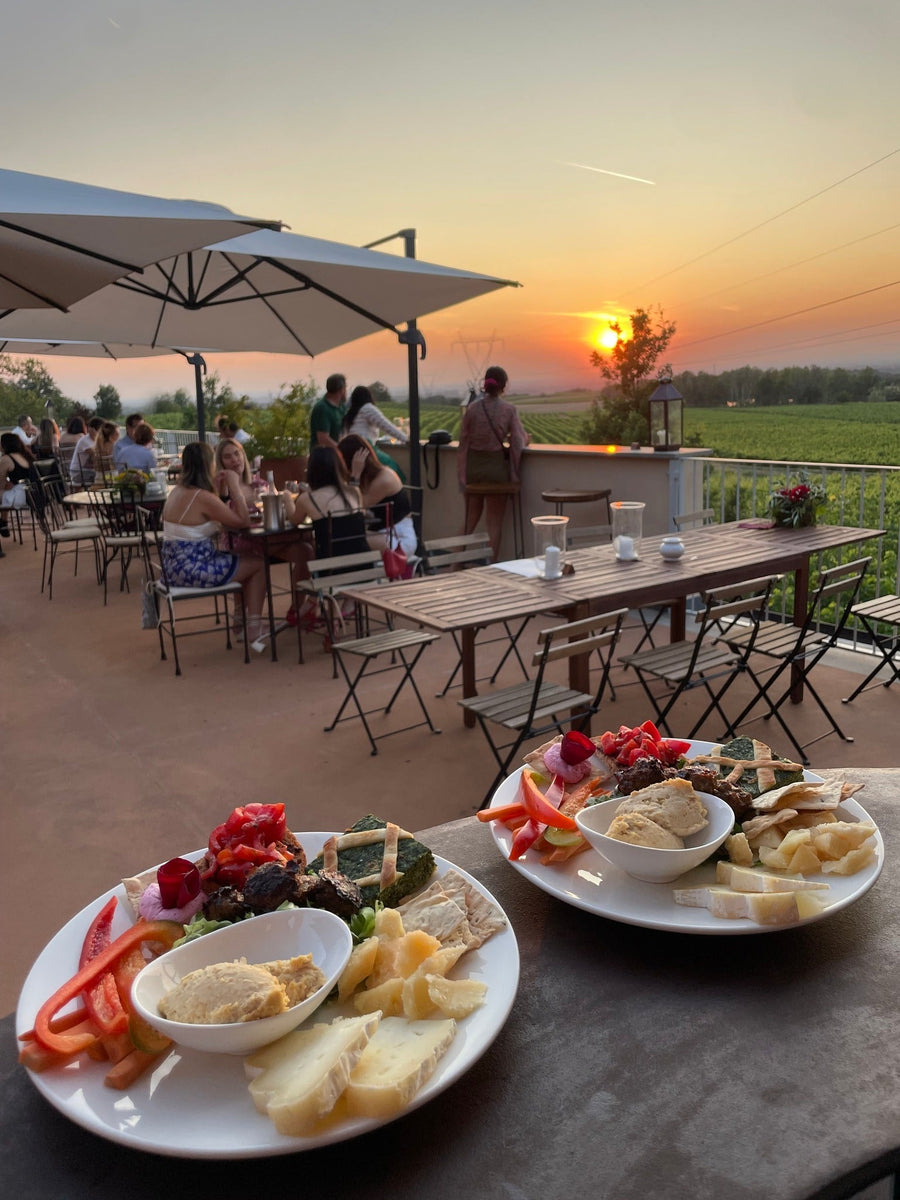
[400,1057]
[745,879]
[304,1073]
[765,908]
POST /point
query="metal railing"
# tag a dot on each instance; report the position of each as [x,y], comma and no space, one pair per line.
[862,497]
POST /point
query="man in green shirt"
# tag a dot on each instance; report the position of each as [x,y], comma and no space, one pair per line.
[327,414]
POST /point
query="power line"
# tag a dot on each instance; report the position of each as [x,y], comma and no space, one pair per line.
[799,263]
[821,339]
[787,316]
[769,220]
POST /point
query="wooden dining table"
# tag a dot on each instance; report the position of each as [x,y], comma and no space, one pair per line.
[715,555]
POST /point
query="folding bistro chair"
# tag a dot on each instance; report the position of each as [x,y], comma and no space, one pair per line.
[116,514]
[165,593]
[885,610]
[328,576]
[456,553]
[529,710]
[690,520]
[796,651]
[683,666]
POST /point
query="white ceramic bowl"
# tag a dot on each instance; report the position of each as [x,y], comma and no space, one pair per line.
[258,939]
[647,862]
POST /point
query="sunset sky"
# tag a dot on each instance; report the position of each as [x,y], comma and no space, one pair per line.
[734,162]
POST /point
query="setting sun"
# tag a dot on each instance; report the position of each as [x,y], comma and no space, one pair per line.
[607,338]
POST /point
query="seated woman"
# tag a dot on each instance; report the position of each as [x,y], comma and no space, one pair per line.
[138,454]
[104,447]
[192,519]
[382,493]
[231,460]
[75,430]
[81,467]
[46,443]
[332,504]
[15,471]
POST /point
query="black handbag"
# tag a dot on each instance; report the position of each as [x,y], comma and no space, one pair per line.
[438,437]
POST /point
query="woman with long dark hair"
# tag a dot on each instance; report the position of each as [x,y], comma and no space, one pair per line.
[382,494]
[491,442]
[365,419]
[332,503]
[192,520]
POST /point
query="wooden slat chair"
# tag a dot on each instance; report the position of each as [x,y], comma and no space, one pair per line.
[534,708]
[454,554]
[328,576]
[170,595]
[684,666]
[795,651]
[885,610]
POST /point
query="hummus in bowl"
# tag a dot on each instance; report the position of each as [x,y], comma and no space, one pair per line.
[274,938]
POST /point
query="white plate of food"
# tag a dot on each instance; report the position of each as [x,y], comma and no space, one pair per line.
[588,881]
[197,1105]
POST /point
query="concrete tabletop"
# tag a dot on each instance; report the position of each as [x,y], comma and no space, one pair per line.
[634,1064]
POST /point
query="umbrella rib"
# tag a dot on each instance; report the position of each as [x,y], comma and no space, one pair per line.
[31,292]
[53,241]
[363,312]
[274,311]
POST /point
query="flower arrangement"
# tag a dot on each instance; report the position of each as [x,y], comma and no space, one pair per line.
[132,480]
[797,505]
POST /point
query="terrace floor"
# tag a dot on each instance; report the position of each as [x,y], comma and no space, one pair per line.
[111,764]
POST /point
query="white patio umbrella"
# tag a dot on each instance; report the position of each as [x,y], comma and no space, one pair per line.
[60,241]
[264,291]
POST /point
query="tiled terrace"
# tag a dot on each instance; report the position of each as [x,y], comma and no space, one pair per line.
[111,763]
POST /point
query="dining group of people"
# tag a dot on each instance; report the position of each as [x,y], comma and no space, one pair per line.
[351,499]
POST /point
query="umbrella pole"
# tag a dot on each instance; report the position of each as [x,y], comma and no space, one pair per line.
[198,362]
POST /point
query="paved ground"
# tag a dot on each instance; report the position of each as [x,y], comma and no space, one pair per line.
[111,764]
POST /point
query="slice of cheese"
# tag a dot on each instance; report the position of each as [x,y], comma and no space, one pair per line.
[456,997]
[304,1073]
[765,908]
[400,1057]
[744,879]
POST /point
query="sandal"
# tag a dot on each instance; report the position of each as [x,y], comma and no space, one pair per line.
[257,633]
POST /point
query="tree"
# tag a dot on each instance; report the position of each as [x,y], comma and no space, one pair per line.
[380,393]
[622,415]
[109,406]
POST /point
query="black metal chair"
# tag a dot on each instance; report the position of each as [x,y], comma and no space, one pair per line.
[534,708]
[684,666]
[885,610]
[61,536]
[171,595]
[796,650]
[404,646]
[454,554]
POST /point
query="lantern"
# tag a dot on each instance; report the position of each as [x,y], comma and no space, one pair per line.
[666,417]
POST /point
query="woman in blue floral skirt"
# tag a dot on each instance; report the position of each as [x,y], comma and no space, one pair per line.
[192,520]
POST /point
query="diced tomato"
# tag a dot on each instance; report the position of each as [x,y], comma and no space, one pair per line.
[608,743]
[649,727]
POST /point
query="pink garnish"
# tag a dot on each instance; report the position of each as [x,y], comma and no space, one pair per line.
[570,772]
[151,907]
[179,882]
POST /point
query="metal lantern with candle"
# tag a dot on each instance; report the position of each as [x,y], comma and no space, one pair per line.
[666,417]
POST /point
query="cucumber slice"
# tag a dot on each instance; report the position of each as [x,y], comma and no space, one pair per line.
[561,837]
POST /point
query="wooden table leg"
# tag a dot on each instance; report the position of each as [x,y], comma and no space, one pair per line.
[678,620]
[469,688]
[580,664]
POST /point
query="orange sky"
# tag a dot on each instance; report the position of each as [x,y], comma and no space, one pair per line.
[692,124]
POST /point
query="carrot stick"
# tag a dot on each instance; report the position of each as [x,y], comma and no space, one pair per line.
[515,823]
[33,1056]
[97,1052]
[502,813]
[117,1046]
[129,1069]
[564,853]
[59,1024]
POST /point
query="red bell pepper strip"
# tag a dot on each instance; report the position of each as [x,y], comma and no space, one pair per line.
[166,932]
[525,838]
[539,807]
[102,999]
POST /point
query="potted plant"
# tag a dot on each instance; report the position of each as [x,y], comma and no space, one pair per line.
[797,505]
[132,482]
[279,432]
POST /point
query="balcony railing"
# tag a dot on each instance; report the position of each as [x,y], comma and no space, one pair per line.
[858,496]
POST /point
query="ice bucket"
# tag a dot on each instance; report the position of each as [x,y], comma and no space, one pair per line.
[273,513]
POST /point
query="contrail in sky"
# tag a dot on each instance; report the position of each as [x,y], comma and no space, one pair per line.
[618,174]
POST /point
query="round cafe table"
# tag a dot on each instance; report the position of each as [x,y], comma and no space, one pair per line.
[634,1064]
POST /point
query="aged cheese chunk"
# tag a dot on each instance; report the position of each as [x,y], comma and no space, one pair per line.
[833,841]
[804,861]
[738,850]
[304,1073]
[388,997]
[358,968]
[417,1003]
[853,860]
[743,879]
[400,1057]
[455,997]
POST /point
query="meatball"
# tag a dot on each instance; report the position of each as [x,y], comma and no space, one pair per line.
[641,774]
[270,885]
[335,892]
[225,904]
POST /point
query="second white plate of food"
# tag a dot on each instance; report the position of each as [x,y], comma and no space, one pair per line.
[588,881]
[196,1105]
